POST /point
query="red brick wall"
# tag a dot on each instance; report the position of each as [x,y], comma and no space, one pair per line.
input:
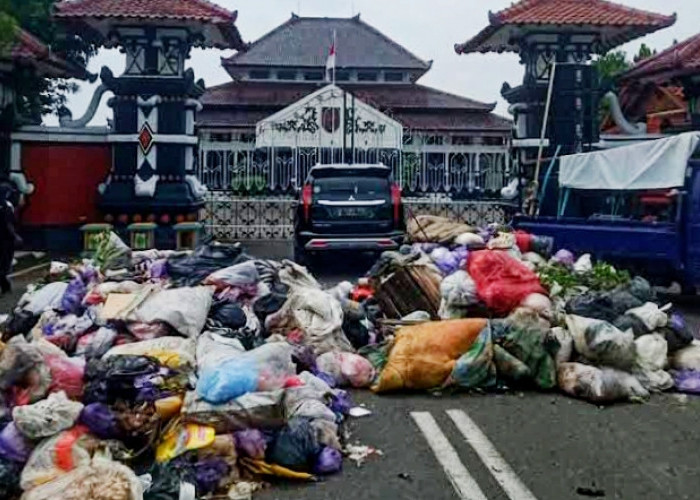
[65,178]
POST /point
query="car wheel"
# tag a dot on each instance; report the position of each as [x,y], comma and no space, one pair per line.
[301,257]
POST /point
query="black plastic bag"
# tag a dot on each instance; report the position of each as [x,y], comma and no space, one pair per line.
[631,322]
[113,378]
[593,305]
[20,322]
[677,333]
[192,269]
[9,478]
[228,314]
[268,304]
[296,446]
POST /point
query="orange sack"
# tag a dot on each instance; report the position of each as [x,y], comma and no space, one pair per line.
[424,355]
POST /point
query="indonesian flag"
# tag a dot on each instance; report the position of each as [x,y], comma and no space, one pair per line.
[330,62]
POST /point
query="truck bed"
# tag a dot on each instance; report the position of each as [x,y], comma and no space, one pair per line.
[613,240]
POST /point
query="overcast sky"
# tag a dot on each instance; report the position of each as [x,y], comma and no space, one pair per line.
[428,28]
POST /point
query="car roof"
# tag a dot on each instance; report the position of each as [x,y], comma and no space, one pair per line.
[342,169]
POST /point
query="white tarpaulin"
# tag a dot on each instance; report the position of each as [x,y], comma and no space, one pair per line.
[659,164]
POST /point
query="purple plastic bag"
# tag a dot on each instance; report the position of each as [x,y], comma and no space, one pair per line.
[72,300]
[159,269]
[14,445]
[209,473]
[687,381]
[565,258]
[251,443]
[461,254]
[100,420]
[327,378]
[329,461]
[444,260]
[341,402]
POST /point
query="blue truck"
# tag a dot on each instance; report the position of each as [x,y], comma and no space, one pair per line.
[637,206]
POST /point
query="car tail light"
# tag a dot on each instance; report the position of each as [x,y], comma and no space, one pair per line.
[396,201]
[307,199]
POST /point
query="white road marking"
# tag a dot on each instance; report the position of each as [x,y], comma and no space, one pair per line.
[463,483]
[494,462]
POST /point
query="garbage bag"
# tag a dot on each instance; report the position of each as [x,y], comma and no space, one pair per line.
[173,352]
[687,358]
[329,461]
[293,275]
[584,264]
[599,386]
[57,455]
[98,479]
[593,305]
[687,381]
[47,417]
[20,322]
[423,356]
[72,299]
[240,275]
[565,258]
[318,315]
[347,369]
[470,240]
[652,357]
[509,368]
[355,323]
[296,445]
[178,438]
[100,420]
[214,349]
[112,253]
[476,368]
[14,446]
[633,323]
[650,314]
[228,314]
[266,305]
[46,297]
[565,343]
[641,289]
[114,378]
[445,261]
[263,369]
[251,443]
[501,281]
[185,309]
[259,410]
[602,343]
[677,333]
[66,374]
[191,270]
[23,370]
[433,229]
[538,303]
[96,344]
[459,289]
[209,474]
[309,400]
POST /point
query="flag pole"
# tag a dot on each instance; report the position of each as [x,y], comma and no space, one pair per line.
[335,52]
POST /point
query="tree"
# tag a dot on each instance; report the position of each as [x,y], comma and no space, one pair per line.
[37,96]
[610,66]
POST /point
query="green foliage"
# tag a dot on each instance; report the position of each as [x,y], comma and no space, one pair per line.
[602,277]
[36,95]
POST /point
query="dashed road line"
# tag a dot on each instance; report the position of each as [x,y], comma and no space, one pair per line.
[494,462]
[464,484]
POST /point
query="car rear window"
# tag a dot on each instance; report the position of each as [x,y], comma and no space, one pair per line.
[351,185]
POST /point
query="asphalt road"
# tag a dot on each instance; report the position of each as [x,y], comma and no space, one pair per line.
[517,446]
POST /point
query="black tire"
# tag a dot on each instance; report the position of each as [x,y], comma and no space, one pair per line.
[301,256]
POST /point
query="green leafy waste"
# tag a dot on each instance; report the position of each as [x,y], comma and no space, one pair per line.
[601,277]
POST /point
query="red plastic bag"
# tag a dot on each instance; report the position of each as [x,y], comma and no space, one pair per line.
[66,375]
[524,241]
[502,282]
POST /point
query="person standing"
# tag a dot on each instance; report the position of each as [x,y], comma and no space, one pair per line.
[8,237]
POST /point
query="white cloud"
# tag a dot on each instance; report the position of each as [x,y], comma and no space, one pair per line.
[428,28]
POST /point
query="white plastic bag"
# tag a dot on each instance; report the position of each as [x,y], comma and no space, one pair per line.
[47,417]
[687,358]
[602,343]
[213,349]
[650,314]
[652,352]
[584,264]
[470,240]
[459,289]
[48,297]
[241,274]
[597,385]
[185,309]
[347,369]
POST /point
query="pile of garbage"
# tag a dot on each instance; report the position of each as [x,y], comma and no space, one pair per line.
[493,309]
[160,374]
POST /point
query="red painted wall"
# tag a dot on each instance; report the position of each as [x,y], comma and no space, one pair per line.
[65,178]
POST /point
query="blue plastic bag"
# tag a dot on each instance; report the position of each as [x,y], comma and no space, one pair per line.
[72,300]
[222,383]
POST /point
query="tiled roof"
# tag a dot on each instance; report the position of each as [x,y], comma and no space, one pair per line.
[243,104]
[202,10]
[305,42]
[403,95]
[30,50]
[678,60]
[631,22]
